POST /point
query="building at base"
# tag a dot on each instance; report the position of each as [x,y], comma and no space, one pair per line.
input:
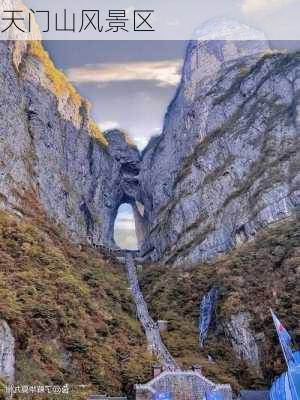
[181,385]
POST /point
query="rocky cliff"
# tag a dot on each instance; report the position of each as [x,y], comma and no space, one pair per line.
[53,154]
[227,162]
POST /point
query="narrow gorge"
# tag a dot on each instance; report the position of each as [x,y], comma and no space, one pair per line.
[232,129]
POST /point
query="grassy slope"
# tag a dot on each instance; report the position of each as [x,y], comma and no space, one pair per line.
[73,319]
[69,309]
[253,277]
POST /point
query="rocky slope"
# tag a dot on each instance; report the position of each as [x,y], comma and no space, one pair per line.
[66,314]
[227,162]
[241,346]
[53,152]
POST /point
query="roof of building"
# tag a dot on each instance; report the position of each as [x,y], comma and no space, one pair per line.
[104,397]
[195,385]
[254,395]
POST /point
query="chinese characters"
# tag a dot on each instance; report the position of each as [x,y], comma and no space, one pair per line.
[97,21]
[37,389]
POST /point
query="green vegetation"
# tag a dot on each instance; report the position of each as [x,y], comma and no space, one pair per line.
[253,277]
[69,309]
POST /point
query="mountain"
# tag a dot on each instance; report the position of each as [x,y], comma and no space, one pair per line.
[215,199]
[52,153]
[223,175]
[227,161]
[66,314]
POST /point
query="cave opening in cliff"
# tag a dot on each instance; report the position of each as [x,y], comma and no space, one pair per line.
[124,228]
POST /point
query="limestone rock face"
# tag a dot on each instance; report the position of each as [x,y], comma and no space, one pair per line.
[227,162]
[7,353]
[50,152]
[126,168]
[243,340]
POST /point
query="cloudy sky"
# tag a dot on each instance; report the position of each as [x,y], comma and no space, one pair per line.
[128,83]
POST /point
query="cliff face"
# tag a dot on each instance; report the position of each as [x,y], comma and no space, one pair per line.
[52,153]
[227,162]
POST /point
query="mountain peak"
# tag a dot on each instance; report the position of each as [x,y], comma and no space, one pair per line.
[216,42]
[227,29]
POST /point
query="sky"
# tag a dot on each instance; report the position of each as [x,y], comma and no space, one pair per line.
[171,19]
[125,236]
[129,84]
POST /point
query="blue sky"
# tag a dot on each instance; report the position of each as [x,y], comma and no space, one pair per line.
[125,228]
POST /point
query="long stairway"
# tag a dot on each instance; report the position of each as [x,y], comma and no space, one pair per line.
[151,328]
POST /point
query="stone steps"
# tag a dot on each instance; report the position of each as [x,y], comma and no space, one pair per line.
[151,328]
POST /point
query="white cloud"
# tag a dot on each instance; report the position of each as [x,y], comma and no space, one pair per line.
[141,141]
[256,6]
[125,223]
[164,73]
[124,232]
[126,239]
[107,125]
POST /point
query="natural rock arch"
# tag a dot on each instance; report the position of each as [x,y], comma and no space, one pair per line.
[126,186]
[135,217]
[125,235]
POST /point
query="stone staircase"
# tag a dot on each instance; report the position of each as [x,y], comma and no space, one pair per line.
[118,254]
[151,328]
